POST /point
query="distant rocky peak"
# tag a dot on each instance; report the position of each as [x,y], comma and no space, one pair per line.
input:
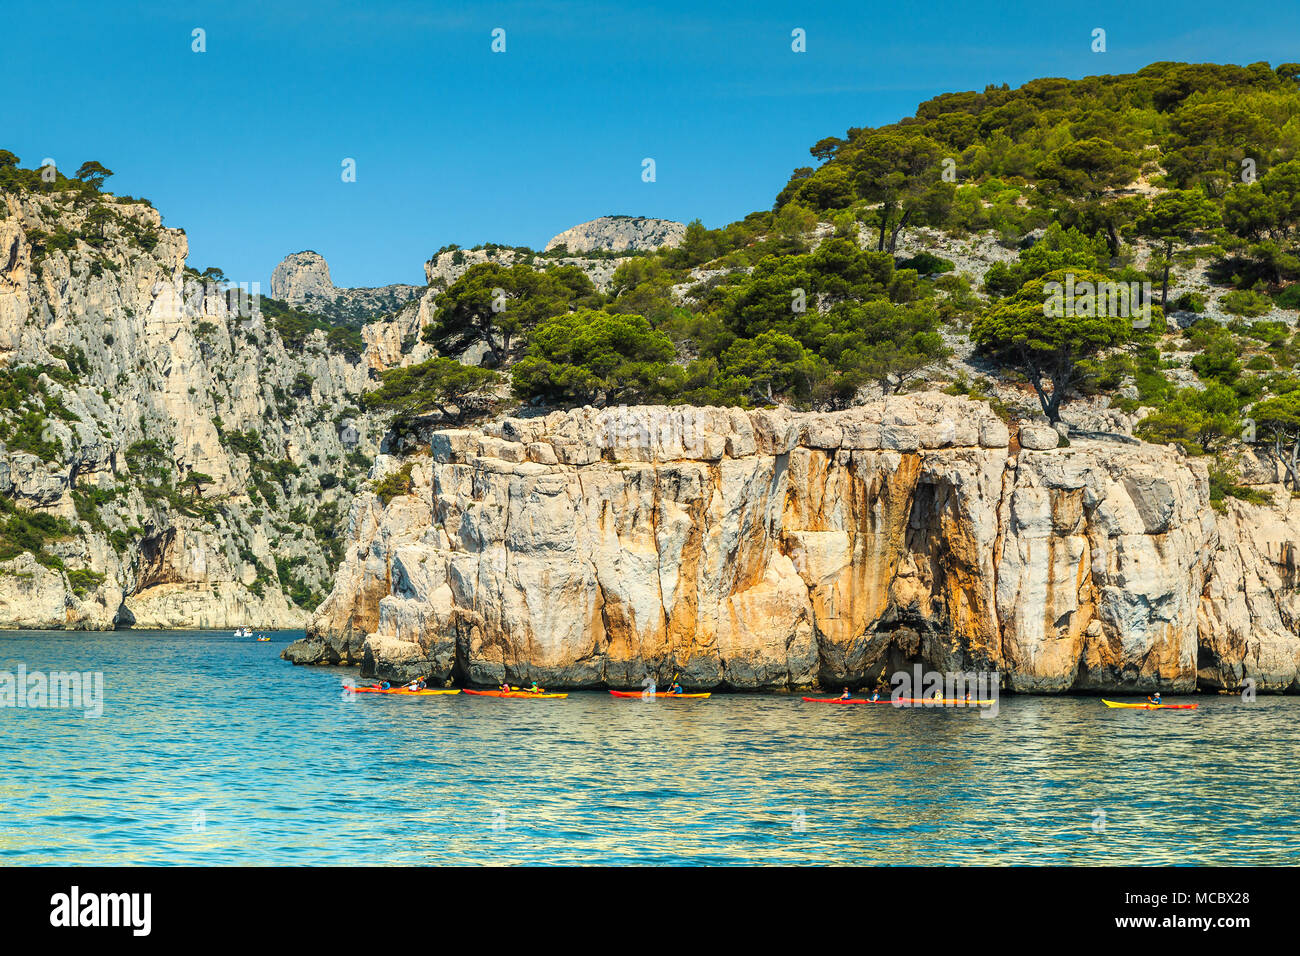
[620,234]
[301,276]
[302,280]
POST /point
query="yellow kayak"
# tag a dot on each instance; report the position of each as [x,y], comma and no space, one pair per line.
[1150,706]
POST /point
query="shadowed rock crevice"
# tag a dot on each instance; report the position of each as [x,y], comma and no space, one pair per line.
[774,550]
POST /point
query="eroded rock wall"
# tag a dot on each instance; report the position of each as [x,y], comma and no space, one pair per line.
[768,549]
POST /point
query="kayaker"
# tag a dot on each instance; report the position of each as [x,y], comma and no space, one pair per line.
[1154,698]
[506,688]
[875,695]
[533,688]
[846,695]
[385,685]
[676,688]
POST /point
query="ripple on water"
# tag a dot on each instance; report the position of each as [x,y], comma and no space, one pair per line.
[213,751]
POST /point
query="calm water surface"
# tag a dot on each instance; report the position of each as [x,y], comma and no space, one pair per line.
[211,750]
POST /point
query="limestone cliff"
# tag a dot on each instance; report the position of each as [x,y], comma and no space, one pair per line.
[167,457]
[620,234]
[769,549]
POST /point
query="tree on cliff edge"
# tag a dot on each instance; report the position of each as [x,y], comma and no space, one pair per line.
[496,305]
[93,173]
[439,385]
[1024,333]
[1278,418]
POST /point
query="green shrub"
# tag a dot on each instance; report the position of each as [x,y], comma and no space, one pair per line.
[926,263]
[83,581]
[1246,302]
[31,531]
[1289,298]
[1188,302]
[1224,484]
[393,485]
[246,442]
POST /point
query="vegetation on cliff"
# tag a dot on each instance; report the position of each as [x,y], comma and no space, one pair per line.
[925,254]
[1177,185]
[149,433]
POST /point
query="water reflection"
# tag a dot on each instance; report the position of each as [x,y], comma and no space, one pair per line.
[282,769]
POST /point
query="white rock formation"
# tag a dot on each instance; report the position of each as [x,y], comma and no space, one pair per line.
[138,376]
[620,234]
[765,549]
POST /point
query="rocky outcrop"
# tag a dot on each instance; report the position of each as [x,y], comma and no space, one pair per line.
[166,459]
[448,265]
[1250,609]
[1104,555]
[301,277]
[620,234]
[302,280]
[769,549]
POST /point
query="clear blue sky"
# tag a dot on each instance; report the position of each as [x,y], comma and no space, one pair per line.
[242,145]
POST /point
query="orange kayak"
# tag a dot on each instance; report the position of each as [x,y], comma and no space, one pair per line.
[512,693]
[932,701]
[945,701]
[641,693]
[399,690]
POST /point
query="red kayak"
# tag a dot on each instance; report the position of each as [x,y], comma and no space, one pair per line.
[512,693]
[841,700]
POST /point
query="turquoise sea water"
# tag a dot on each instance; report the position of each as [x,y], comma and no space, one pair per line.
[213,751]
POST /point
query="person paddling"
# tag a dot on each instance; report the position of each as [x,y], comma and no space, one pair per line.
[385,685]
[875,696]
[676,688]
[1154,698]
[846,695]
[533,688]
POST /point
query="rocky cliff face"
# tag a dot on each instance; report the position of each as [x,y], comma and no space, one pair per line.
[768,549]
[620,234]
[167,461]
[303,281]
